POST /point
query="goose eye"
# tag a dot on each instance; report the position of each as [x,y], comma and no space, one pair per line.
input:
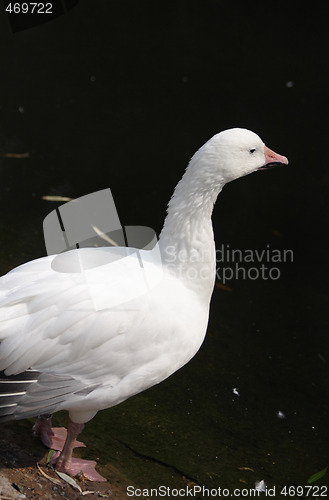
[252,150]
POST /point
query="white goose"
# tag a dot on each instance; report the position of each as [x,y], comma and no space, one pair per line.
[57,352]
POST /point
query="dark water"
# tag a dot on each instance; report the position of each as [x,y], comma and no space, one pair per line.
[120,95]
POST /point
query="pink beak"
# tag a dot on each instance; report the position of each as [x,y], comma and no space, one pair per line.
[273,159]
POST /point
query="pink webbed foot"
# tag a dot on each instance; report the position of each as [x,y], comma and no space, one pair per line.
[64,462]
[77,466]
[59,437]
[52,437]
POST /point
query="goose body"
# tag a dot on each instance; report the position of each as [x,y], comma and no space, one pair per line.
[58,352]
[85,360]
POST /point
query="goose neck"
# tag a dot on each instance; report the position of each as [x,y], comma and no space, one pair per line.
[187,240]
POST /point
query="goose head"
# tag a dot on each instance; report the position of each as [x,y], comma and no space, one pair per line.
[237,152]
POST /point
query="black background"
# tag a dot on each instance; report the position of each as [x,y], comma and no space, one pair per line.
[120,94]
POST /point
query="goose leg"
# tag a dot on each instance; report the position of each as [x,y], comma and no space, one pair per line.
[51,437]
[64,462]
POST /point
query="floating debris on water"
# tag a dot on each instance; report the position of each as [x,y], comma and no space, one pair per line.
[260,486]
[56,198]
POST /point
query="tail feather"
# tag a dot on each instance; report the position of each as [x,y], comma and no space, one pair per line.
[32,393]
[12,388]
